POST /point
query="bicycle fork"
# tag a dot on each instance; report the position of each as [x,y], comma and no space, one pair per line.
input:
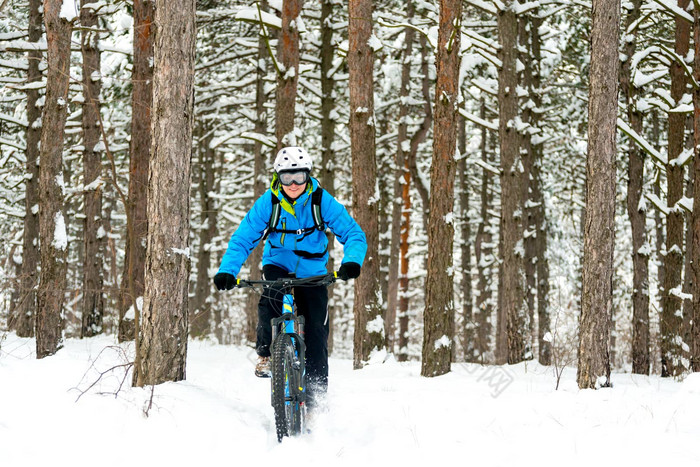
[290,323]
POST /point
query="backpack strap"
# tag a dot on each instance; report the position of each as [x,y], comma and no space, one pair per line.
[316,208]
[274,216]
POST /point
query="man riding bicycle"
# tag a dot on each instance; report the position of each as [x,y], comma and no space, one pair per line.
[292,215]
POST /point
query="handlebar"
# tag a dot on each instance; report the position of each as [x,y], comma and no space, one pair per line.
[287,283]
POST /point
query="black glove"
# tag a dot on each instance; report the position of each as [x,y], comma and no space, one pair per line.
[349,271]
[224,280]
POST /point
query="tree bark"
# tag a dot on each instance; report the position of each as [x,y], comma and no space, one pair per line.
[93,294]
[328,134]
[599,230]
[399,182]
[695,327]
[200,307]
[469,325]
[537,196]
[162,350]
[483,252]
[52,225]
[364,175]
[132,286]
[288,76]
[671,317]
[510,342]
[259,181]
[438,330]
[527,151]
[23,318]
[636,211]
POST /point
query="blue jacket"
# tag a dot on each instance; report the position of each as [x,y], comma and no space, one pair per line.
[279,247]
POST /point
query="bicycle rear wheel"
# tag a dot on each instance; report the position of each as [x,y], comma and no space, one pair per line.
[286,387]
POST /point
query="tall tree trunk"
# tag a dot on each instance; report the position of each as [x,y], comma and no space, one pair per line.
[399,182]
[510,342]
[93,294]
[52,226]
[483,251]
[132,286]
[658,218]
[527,150]
[636,210]
[328,133]
[599,230]
[288,76]
[367,309]
[162,349]
[410,171]
[200,307]
[671,319]
[537,196]
[438,330]
[540,224]
[23,318]
[469,326]
[259,181]
[695,327]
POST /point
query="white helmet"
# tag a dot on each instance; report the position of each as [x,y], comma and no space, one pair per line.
[293,158]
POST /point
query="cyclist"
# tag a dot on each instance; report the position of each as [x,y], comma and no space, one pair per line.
[296,246]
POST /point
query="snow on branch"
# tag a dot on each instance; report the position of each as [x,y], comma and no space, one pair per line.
[678,59]
[482,42]
[14,144]
[11,119]
[258,137]
[483,6]
[656,201]
[251,15]
[675,10]
[387,24]
[485,165]
[521,8]
[21,64]
[479,121]
[643,143]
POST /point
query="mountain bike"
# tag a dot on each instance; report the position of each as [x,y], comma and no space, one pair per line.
[288,353]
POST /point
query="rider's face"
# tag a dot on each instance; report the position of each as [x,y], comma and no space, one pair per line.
[294,191]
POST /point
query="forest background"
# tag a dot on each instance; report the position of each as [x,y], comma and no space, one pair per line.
[521,124]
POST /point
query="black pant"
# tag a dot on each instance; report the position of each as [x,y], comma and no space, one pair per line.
[312,304]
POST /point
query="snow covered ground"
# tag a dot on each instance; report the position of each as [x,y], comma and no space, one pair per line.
[385,414]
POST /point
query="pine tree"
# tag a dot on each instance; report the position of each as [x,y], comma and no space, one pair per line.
[438,331]
[369,328]
[132,286]
[93,299]
[599,229]
[695,344]
[510,342]
[635,210]
[23,318]
[162,343]
[399,180]
[671,316]
[52,224]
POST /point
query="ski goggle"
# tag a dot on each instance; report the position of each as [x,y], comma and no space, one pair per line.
[300,177]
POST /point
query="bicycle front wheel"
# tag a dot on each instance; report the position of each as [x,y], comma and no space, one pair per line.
[286,387]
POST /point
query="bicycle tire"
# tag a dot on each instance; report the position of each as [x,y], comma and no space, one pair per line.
[285,381]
